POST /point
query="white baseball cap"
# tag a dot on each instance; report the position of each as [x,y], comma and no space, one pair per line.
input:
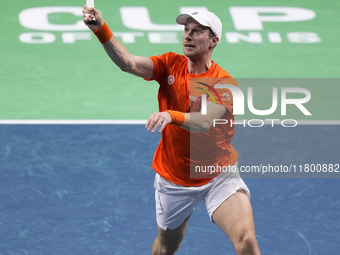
[205,18]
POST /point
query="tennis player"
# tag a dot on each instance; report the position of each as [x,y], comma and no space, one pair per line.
[227,199]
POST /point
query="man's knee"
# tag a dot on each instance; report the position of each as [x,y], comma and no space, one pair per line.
[168,248]
[247,243]
[168,241]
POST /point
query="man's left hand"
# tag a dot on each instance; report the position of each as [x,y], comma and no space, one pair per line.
[158,119]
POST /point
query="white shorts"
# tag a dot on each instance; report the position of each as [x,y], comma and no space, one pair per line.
[174,203]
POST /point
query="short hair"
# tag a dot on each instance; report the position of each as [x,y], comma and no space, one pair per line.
[211,33]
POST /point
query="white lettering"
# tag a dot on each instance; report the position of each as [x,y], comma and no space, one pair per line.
[219,121]
[163,38]
[303,37]
[139,18]
[37,18]
[252,37]
[274,37]
[37,38]
[248,18]
[260,125]
[289,121]
[73,37]
[128,37]
[297,102]
[262,112]
[204,105]
[272,121]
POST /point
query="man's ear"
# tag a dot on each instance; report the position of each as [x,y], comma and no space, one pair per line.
[214,41]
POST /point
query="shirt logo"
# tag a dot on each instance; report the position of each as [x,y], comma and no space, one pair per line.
[226,96]
[210,88]
[171,79]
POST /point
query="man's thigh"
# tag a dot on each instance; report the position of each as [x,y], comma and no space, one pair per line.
[221,188]
[174,203]
[235,217]
[170,240]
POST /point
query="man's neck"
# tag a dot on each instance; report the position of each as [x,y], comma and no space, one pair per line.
[198,67]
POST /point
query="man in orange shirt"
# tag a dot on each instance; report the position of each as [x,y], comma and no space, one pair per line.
[187,135]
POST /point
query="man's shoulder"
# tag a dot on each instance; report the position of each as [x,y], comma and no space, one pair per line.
[174,56]
[221,72]
[169,59]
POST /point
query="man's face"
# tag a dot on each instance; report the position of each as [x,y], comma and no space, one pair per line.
[196,39]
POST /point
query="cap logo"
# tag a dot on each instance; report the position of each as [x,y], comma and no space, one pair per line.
[194,13]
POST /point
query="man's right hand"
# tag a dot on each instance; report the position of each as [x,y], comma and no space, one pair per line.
[137,65]
[89,13]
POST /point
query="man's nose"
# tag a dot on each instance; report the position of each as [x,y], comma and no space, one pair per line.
[188,36]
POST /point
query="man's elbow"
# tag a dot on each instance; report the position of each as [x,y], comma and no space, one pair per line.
[127,66]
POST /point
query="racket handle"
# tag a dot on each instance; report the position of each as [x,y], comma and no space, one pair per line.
[90,3]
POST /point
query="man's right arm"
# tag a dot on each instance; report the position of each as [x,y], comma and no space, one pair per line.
[137,65]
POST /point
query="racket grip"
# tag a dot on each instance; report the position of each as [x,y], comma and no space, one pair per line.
[90,3]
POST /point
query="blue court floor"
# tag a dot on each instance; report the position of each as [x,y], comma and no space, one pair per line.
[88,189]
